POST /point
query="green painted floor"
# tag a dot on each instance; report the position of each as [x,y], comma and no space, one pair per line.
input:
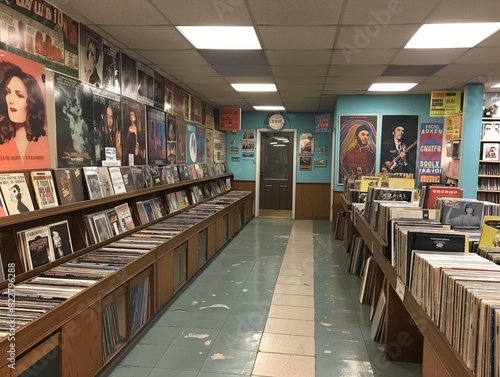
[277,301]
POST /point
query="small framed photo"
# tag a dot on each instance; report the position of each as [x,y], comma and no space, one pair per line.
[490,151]
[322,149]
[320,163]
[305,163]
[491,131]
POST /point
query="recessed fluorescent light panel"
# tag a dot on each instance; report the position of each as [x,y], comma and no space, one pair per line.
[459,35]
[221,37]
[496,85]
[254,87]
[392,87]
[269,108]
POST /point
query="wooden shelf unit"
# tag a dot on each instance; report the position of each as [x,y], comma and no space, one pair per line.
[407,322]
[77,323]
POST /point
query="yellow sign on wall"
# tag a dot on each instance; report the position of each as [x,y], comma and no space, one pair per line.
[445,103]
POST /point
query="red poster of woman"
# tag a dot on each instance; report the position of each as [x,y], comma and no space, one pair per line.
[24,141]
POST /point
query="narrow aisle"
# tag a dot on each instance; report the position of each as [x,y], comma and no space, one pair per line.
[276,302]
[215,325]
[343,344]
[287,346]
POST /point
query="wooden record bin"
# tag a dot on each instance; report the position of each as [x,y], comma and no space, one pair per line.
[410,335]
[82,334]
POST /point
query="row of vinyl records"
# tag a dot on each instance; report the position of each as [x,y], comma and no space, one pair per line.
[489,169]
[47,243]
[44,292]
[488,184]
[457,290]
[64,186]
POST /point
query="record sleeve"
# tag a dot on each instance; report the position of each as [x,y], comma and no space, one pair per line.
[45,191]
[16,193]
[60,239]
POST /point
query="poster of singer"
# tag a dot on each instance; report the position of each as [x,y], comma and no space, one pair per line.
[24,141]
[357,144]
[74,122]
[398,150]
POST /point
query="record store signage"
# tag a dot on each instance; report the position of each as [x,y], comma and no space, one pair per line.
[429,157]
[445,103]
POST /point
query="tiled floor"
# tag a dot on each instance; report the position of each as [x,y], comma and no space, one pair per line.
[277,301]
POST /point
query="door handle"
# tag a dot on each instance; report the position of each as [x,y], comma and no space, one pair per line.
[261,173]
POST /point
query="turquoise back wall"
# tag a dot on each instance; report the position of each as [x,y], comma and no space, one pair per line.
[303,122]
[379,105]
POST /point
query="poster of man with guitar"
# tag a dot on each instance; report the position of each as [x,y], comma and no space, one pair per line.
[398,151]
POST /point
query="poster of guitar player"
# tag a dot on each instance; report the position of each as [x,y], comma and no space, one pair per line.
[398,150]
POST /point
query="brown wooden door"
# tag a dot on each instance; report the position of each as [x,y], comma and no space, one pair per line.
[276,170]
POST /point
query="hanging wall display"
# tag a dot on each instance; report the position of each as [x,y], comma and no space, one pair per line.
[306,144]
[90,57]
[181,141]
[134,132]
[219,147]
[357,144]
[430,152]
[107,125]
[40,32]
[157,136]
[111,67]
[24,141]
[171,139]
[74,122]
[129,76]
[398,151]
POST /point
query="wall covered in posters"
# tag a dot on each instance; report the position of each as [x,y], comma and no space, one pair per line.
[415,106]
[244,168]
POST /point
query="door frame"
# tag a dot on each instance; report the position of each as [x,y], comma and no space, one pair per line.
[257,166]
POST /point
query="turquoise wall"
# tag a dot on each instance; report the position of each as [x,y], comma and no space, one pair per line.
[379,105]
[244,169]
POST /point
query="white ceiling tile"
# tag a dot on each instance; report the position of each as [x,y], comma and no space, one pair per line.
[251,96]
[346,87]
[372,56]
[289,37]
[219,88]
[353,38]
[293,12]
[428,56]
[288,94]
[465,70]
[483,55]
[349,79]
[210,80]
[205,13]
[299,88]
[304,71]
[298,57]
[174,57]
[465,11]
[195,70]
[356,70]
[149,37]
[292,80]
[384,12]
[118,12]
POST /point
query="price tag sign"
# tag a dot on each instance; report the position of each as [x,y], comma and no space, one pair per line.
[400,289]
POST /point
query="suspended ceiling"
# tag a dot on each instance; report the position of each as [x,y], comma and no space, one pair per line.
[313,50]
